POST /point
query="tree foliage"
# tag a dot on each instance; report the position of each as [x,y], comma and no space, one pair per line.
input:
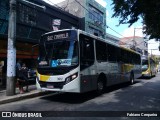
[129,11]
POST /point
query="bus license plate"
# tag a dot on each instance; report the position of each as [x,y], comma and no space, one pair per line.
[50,86]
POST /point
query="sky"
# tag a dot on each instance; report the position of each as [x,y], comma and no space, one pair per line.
[123,30]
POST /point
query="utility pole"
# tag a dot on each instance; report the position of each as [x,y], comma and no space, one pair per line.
[134,41]
[11,52]
[134,36]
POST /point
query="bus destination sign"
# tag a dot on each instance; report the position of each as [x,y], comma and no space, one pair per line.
[57,36]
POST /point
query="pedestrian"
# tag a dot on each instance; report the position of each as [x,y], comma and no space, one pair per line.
[18,65]
[19,76]
[25,75]
[22,76]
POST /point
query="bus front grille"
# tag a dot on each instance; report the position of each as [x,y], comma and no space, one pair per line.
[58,85]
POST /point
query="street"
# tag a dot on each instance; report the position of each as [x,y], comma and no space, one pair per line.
[144,95]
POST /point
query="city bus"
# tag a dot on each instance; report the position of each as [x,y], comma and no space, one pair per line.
[75,61]
[148,67]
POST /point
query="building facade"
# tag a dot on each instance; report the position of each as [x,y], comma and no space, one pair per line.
[136,43]
[31,23]
[92,15]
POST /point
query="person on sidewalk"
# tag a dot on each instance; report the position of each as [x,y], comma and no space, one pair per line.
[25,74]
[18,75]
[22,77]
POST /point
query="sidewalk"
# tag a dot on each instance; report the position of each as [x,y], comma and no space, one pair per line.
[33,92]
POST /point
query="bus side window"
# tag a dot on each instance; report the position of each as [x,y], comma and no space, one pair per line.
[86,51]
[101,51]
[112,55]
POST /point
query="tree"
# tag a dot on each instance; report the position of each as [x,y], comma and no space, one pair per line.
[129,11]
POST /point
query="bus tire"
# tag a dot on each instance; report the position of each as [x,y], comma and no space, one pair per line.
[100,87]
[132,78]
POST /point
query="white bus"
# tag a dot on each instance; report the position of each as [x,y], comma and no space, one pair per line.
[75,61]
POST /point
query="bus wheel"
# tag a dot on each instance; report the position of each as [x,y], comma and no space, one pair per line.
[100,86]
[132,79]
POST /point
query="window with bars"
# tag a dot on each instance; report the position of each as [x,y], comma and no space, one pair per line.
[95,15]
[27,14]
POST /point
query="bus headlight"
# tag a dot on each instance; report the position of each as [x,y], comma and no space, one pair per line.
[70,78]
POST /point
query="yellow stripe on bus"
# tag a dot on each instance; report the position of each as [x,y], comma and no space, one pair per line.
[127,67]
[44,78]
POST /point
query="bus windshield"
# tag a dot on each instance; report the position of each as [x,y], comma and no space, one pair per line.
[59,53]
[144,65]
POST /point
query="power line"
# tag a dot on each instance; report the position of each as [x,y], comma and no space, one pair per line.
[104,25]
[96,17]
[66,5]
[115,31]
[88,11]
[108,26]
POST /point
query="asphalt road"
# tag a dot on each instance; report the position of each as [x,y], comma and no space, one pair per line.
[144,95]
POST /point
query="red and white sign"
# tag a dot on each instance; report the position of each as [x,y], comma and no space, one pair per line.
[57,22]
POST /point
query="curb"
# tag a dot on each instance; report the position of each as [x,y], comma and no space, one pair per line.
[19,97]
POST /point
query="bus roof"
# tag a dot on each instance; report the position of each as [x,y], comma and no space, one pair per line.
[83,32]
[93,36]
[56,31]
[105,40]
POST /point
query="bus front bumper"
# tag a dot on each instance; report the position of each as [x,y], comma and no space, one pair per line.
[73,86]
